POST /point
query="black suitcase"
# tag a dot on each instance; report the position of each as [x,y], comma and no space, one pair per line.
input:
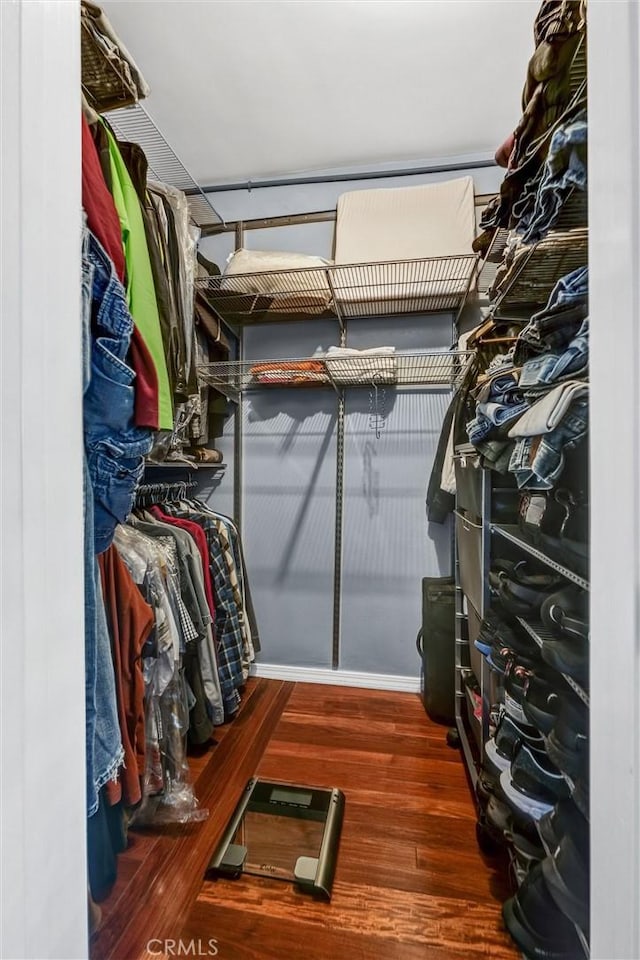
[436,645]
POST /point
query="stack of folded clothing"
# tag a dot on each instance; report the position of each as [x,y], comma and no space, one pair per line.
[499,401]
[289,372]
[348,366]
[554,381]
[564,171]
[532,405]
[551,104]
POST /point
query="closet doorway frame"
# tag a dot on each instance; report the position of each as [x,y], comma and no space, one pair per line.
[614,306]
[43,894]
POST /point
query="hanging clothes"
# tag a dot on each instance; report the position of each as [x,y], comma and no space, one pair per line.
[103,221]
[130,620]
[141,296]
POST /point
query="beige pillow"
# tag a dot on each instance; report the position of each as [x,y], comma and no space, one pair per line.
[266,266]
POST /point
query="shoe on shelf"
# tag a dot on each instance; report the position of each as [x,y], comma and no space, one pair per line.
[580,794]
[500,749]
[537,925]
[502,657]
[565,818]
[568,742]
[565,613]
[527,849]
[566,873]
[522,595]
[570,657]
[540,702]
[498,815]
[517,679]
[532,785]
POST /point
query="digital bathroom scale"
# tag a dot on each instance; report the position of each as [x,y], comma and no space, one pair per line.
[286,832]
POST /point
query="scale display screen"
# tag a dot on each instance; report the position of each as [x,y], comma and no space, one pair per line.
[297,797]
[284,832]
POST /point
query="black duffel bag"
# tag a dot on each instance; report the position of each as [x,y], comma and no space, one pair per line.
[436,645]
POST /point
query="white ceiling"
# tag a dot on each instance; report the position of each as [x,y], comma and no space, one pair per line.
[245,89]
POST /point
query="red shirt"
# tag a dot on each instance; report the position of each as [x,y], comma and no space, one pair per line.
[102,217]
[130,621]
[200,538]
[104,223]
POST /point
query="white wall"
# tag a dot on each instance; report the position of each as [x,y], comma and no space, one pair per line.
[43,904]
[266,87]
[614,203]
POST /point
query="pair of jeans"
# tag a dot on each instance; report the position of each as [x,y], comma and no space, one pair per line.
[553,327]
[570,290]
[501,388]
[541,372]
[538,462]
[115,447]
[564,170]
[104,752]
[491,418]
[553,333]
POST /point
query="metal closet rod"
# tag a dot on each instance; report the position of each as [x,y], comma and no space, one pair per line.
[250,185]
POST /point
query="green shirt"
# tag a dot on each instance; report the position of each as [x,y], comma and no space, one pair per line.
[141,294]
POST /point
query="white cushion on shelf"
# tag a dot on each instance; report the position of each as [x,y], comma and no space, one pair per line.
[348,366]
[264,268]
[402,224]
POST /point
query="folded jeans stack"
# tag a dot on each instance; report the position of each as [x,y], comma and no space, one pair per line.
[553,327]
[557,418]
[500,401]
[564,170]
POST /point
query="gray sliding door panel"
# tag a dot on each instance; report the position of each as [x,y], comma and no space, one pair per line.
[388,546]
[288,522]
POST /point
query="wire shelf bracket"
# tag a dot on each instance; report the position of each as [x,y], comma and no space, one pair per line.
[512,534]
[538,633]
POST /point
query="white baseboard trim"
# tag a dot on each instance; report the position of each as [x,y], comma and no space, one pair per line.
[338,678]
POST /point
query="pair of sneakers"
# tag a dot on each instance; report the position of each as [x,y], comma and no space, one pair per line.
[529,781]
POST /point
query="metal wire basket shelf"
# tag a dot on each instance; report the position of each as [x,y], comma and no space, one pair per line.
[573,216]
[134,124]
[104,80]
[533,275]
[432,285]
[434,369]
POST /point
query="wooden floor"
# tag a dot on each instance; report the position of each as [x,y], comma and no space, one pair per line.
[410,884]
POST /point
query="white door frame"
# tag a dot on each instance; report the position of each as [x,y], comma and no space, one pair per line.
[42,821]
[43,905]
[614,250]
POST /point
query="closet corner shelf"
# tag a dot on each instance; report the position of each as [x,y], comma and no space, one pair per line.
[538,633]
[513,535]
[343,291]
[133,123]
[434,369]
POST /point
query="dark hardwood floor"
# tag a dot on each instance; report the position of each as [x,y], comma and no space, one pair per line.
[411,883]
